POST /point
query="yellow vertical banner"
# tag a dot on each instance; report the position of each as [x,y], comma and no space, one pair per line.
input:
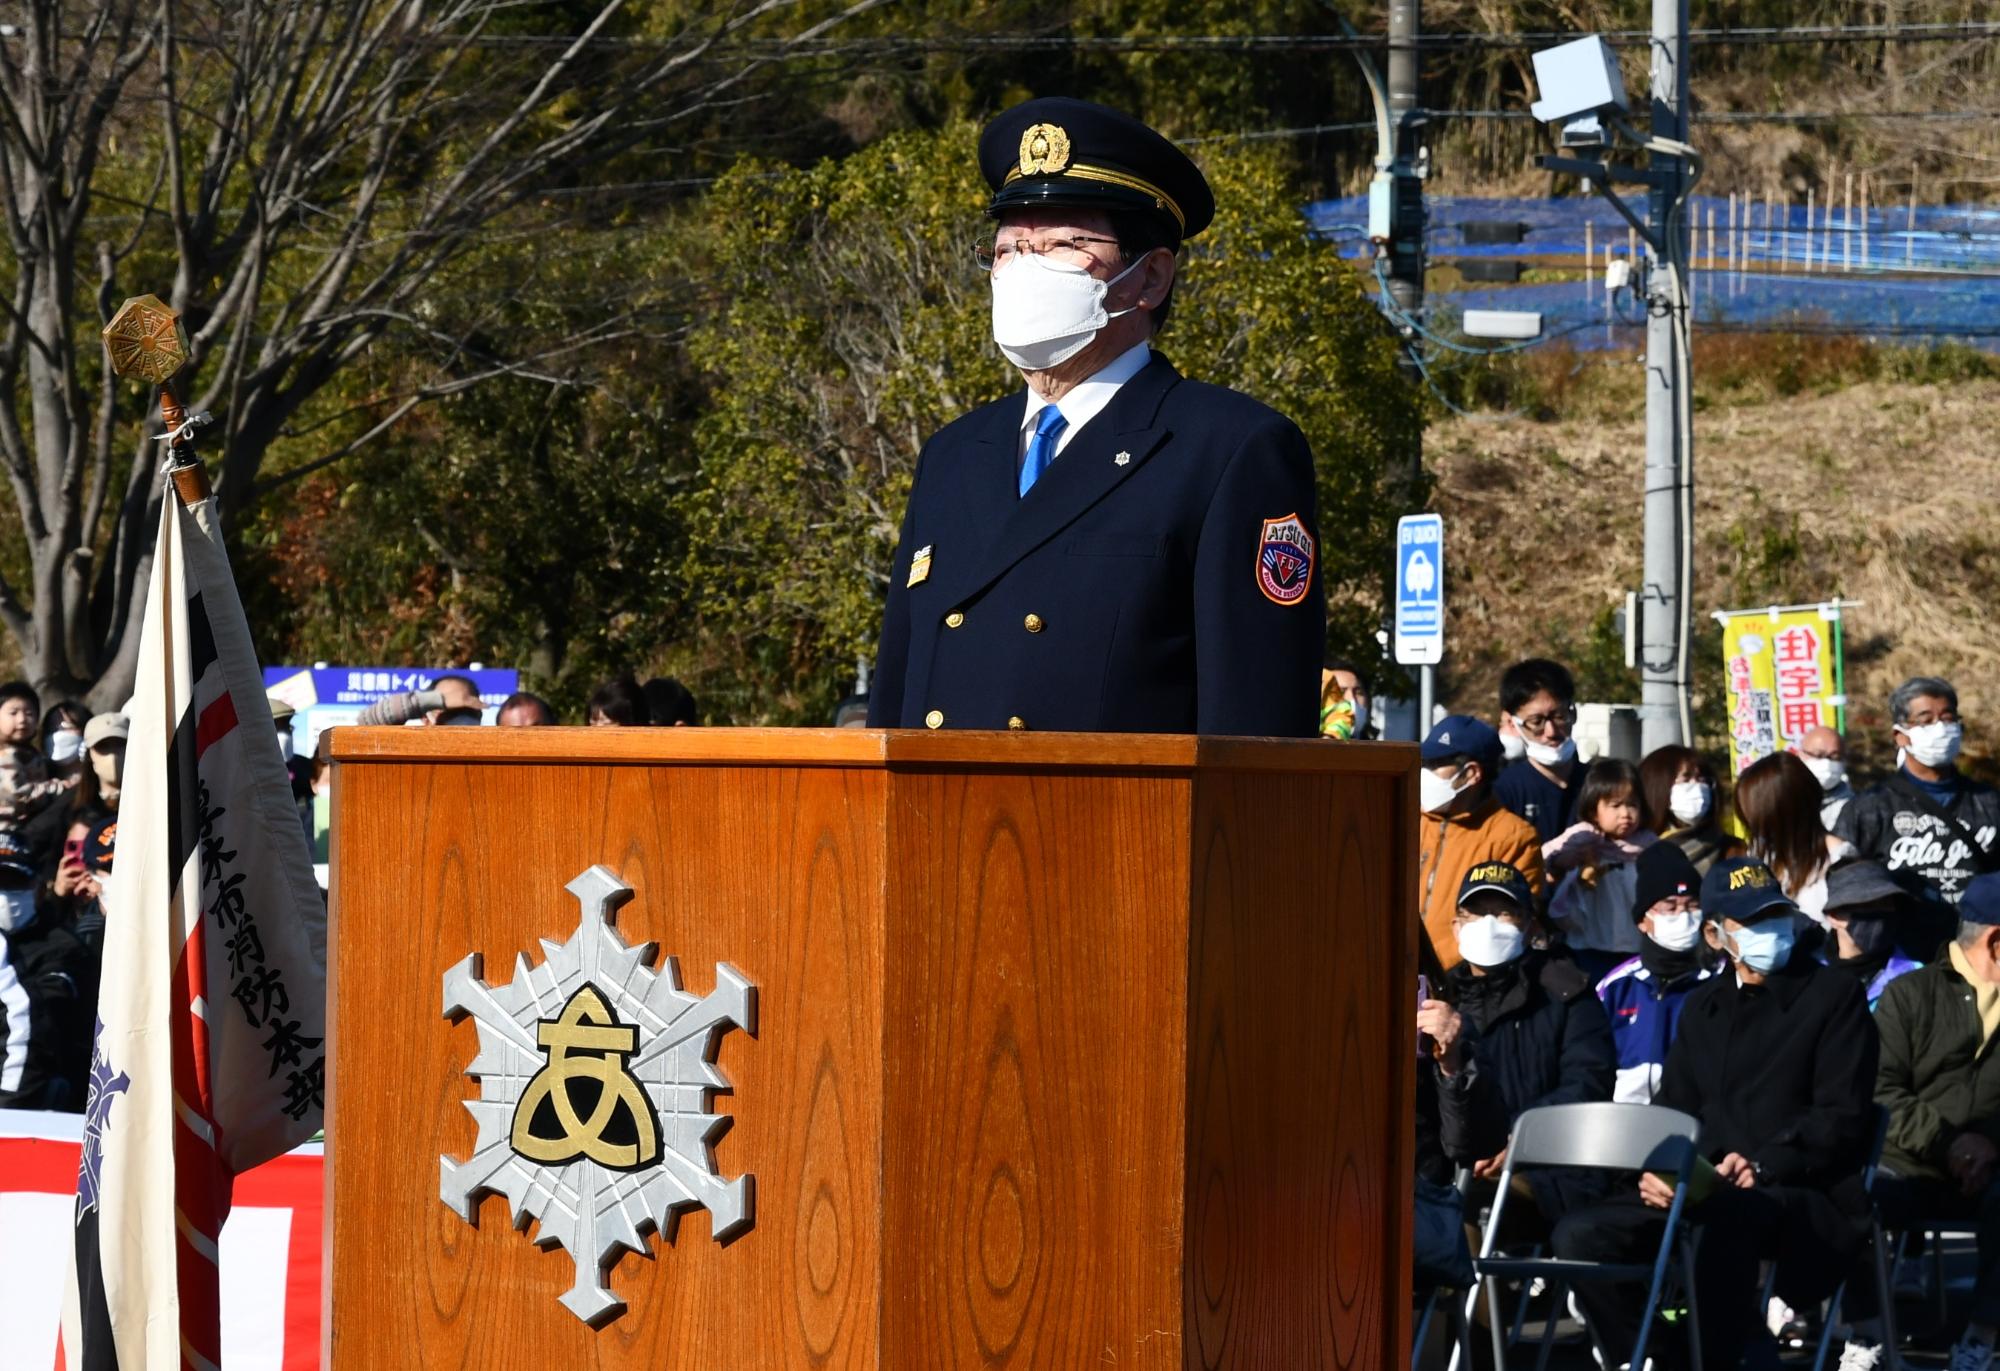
[1783,671]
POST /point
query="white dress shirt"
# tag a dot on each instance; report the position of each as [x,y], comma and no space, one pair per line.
[1087,400]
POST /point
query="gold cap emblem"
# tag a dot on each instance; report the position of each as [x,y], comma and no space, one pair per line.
[1044,150]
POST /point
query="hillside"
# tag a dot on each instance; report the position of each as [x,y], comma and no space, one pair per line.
[1821,469]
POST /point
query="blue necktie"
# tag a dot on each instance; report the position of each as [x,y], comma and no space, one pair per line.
[1042,447]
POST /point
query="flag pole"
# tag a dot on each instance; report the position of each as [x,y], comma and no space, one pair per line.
[145,342]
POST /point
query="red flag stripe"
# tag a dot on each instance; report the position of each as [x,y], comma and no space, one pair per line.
[215,722]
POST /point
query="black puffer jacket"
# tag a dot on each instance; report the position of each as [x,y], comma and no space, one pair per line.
[1537,1031]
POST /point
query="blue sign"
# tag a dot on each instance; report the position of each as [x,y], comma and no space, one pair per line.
[324,697]
[303,687]
[1419,589]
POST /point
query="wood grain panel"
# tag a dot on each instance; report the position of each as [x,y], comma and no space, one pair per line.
[437,861]
[1073,1050]
[1032,1116]
[921,749]
[1300,1072]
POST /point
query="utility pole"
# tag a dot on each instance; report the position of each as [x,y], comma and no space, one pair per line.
[1663,597]
[1405,177]
[1406,221]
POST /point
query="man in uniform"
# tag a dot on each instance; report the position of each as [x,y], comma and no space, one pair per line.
[1113,548]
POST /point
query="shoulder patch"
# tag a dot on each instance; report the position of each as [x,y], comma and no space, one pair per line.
[1285,560]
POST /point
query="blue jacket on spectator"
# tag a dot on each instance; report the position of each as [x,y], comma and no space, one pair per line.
[1645,1009]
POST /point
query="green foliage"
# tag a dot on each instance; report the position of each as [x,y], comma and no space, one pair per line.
[854,326]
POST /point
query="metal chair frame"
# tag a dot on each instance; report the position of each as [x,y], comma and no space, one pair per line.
[1573,1136]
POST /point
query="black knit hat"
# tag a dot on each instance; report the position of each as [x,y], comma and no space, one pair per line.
[1061,152]
[1664,872]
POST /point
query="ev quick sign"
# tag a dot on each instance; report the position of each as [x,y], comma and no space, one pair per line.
[1419,589]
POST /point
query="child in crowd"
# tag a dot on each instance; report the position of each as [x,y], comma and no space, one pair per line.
[25,785]
[1594,858]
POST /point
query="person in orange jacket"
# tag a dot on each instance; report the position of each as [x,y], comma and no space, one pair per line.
[1463,825]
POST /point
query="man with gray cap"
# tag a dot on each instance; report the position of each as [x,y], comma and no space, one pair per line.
[1112,548]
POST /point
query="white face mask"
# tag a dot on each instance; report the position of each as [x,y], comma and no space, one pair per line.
[1551,756]
[1360,717]
[1045,312]
[1513,746]
[1491,941]
[65,746]
[1677,932]
[1934,744]
[1434,792]
[1828,771]
[1689,801]
[286,748]
[17,910]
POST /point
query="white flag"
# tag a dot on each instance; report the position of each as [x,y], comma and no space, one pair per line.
[211,1010]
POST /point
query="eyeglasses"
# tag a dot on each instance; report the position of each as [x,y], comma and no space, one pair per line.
[1074,251]
[1537,723]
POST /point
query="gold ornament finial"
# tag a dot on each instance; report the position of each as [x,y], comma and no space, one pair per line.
[146,340]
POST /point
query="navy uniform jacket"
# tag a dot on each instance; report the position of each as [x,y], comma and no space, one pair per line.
[1162,576]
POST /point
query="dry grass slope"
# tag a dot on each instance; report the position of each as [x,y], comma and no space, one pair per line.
[1882,490]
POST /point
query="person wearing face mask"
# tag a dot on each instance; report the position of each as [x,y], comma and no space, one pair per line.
[48,994]
[1681,793]
[62,743]
[1940,1081]
[1530,1023]
[1112,548]
[1538,707]
[1776,1057]
[1345,702]
[1825,754]
[1644,995]
[298,768]
[26,785]
[1874,931]
[1463,826]
[1930,824]
[104,746]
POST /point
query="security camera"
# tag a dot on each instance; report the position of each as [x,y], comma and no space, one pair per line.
[1580,83]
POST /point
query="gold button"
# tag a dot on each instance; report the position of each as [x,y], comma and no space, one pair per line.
[1033,623]
[1015,721]
[953,619]
[934,719]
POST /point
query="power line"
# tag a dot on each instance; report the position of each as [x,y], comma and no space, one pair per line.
[1275,42]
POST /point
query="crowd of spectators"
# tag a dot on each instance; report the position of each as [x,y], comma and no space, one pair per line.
[1813,974]
[60,773]
[1789,963]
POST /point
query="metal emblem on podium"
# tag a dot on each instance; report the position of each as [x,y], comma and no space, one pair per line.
[596,1079]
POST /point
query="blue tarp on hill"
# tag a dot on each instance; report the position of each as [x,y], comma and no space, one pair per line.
[1937,280]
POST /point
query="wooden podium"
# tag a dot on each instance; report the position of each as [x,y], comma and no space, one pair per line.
[1071,1050]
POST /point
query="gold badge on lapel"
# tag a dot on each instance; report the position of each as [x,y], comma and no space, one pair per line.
[1044,150]
[920,566]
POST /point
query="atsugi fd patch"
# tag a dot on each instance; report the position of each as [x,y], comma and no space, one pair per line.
[1285,560]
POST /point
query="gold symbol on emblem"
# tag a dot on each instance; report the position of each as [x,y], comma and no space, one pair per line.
[1044,150]
[920,566]
[146,340]
[587,1047]
[1122,458]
